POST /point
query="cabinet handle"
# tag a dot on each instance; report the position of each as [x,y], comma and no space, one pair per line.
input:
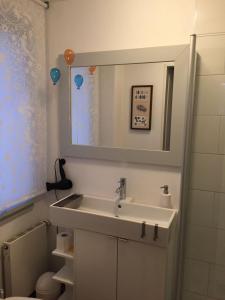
[143,230]
[123,240]
[156,232]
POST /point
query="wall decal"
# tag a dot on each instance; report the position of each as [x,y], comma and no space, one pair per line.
[69,56]
[55,75]
[92,70]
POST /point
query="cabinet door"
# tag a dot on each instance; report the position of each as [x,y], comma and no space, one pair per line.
[95,266]
[141,271]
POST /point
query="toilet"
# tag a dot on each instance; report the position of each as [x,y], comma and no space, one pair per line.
[21,298]
[46,288]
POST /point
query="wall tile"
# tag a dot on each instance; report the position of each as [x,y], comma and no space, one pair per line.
[221,145]
[196,276]
[193,296]
[210,16]
[211,50]
[217,282]
[201,208]
[219,204]
[204,271]
[219,247]
[210,95]
[222,174]
[201,243]
[206,172]
[206,134]
[205,244]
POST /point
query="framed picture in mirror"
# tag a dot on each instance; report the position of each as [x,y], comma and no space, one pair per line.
[141,107]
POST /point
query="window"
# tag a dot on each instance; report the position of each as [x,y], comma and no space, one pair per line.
[22,103]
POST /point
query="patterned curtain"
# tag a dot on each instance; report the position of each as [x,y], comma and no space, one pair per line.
[22,102]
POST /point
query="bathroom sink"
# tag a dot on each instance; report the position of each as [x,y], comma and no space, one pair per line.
[144,223]
[150,214]
[95,205]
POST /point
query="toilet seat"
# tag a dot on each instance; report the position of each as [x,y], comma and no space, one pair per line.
[21,298]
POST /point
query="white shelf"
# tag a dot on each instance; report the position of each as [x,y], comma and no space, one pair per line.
[65,275]
[69,254]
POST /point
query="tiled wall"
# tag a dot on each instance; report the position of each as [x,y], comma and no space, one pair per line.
[204,271]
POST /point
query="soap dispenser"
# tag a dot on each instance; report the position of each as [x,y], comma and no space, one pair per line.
[165,197]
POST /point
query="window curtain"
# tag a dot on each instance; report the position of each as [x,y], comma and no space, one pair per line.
[22,102]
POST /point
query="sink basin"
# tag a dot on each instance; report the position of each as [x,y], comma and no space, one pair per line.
[150,214]
[134,221]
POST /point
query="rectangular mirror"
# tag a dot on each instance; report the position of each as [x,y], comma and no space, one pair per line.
[121,106]
[127,105]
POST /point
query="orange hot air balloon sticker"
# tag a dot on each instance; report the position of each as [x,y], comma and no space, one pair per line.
[69,56]
[92,69]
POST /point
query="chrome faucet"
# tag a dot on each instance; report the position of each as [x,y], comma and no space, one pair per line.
[121,190]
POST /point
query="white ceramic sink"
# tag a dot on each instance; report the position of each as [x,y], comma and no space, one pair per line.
[150,214]
[133,221]
[97,205]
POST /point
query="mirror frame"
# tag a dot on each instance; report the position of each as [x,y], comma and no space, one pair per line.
[179,55]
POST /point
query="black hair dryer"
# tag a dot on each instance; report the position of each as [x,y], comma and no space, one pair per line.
[64,183]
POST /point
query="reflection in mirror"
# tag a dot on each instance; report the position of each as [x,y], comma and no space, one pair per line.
[122,106]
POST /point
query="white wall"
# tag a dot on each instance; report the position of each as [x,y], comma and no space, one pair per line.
[106,25]
[99,25]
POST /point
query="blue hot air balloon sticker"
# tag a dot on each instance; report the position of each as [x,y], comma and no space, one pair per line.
[78,79]
[55,75]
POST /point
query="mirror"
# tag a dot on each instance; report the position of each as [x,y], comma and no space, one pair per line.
[122,106]
[126,105]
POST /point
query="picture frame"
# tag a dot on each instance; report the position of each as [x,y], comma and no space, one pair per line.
[141,107]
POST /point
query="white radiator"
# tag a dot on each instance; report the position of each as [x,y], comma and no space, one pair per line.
[24,260]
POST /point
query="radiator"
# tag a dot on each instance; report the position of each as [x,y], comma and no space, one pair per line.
[24,260]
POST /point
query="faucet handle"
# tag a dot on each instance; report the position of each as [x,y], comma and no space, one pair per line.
[122,180]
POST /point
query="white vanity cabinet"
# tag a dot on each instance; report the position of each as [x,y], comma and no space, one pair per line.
[128,257]
[111,268]
[95,266]
[141,271]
